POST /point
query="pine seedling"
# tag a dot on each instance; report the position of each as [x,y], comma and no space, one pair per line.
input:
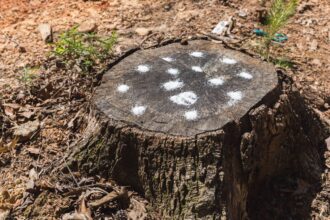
[278,15]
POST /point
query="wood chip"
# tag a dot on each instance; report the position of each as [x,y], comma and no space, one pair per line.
[33,151]
[46,32]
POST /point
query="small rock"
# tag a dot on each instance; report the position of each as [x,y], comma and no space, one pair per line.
[221,27]
[25,131]
[30,185]
[242,13]
[33,175]
[313,45]
[46,32]
[87,26]
[142,31]
[326,106]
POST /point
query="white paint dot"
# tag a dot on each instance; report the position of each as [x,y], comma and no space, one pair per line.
[122,88]
[138,110]
[196,54]
[168,59]
[143,68]
[235,96]
[229,60]
[245,75]
[184,98]
[173,71]
[197,69]
[218,81]
[172,85]
[191,115]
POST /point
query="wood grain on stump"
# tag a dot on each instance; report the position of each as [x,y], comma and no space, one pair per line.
[184,90]
[198,129]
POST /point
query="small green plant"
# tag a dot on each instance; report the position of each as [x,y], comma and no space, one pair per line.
[85,49]
[284,63]
[28,75]
[278,15]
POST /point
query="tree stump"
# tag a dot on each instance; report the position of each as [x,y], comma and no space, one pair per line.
[197,129]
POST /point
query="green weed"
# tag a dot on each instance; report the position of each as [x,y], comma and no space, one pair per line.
[85,49]
[284,63]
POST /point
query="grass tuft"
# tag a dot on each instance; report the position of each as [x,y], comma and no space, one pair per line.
[283,63]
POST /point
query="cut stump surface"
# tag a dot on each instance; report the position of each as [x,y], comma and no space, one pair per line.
[184,90]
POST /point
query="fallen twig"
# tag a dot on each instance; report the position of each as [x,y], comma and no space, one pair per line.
[146,38]
[122,195]
[71,173]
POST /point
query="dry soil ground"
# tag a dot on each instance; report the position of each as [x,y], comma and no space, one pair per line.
[56,96]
